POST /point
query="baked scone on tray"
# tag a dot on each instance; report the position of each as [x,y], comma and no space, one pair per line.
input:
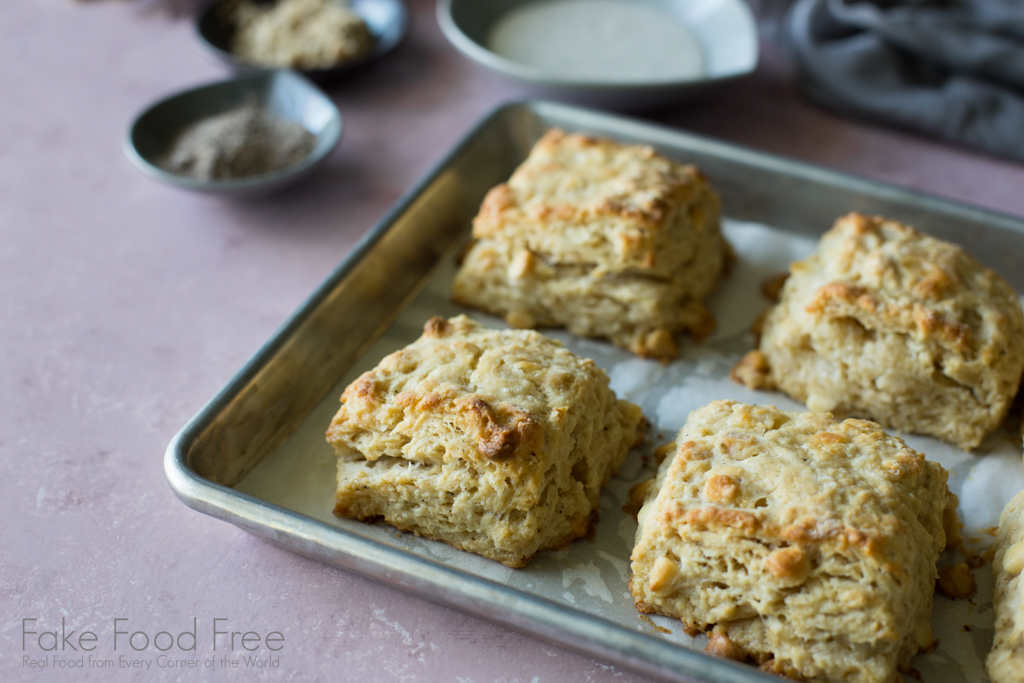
[608,240]
[808,544]
[887,323]
[1005,663]
[495,441]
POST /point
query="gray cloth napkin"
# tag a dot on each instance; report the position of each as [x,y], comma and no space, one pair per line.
[952,69]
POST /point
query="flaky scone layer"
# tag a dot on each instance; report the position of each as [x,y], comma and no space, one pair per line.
[1005,662]
[639,314]
[887,323]
[588,233]
[810,542]
[495,441]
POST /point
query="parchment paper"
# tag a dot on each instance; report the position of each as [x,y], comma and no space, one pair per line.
[591,576]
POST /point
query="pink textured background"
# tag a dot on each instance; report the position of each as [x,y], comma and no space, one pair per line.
[124,305]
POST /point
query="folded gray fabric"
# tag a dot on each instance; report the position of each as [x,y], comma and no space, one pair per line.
[952,69]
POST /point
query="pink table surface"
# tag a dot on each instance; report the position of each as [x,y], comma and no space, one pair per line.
[124,306]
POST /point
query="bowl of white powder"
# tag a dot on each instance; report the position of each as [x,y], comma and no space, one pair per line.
[244,136]
[621,53]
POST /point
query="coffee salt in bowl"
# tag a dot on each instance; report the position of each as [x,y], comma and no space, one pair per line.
[620,53]
[387,20]
[283,94]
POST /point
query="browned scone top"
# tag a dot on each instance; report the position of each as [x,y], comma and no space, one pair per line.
[885,322]
[606,239]
[811,542]
[496,441]
[1005,662]
[584,200]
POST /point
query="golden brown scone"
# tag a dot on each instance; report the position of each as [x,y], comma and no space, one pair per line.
[887,323]
[1005,663]
[495,441]
[608,240]
[810,543]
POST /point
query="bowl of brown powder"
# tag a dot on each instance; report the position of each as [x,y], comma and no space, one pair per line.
[247,135]
[322,39]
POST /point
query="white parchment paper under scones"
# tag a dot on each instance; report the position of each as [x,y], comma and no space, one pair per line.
[1005,663]
[608,240]
[810,543]
[887,323]
[495,441]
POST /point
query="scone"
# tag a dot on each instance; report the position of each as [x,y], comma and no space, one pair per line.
[809,543]
[495,441]
[608,240]
[1005,663]
[886,323]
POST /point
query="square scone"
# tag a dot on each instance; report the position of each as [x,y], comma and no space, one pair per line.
[887,323]
[808,543]
[495,441]
[608,240]
[1005,662]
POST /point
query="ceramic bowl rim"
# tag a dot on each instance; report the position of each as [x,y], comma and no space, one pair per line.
[327,140]
[512,69]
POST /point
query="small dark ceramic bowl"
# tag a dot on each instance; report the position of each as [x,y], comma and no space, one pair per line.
[284,93]
[388,21]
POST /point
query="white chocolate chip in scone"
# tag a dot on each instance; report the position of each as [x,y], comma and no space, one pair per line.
[662,573]
[821,404]
[658,344]
[1013,559]
[522,264]
[520,319]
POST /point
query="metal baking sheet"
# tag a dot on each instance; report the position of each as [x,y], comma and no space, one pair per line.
[255,455]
